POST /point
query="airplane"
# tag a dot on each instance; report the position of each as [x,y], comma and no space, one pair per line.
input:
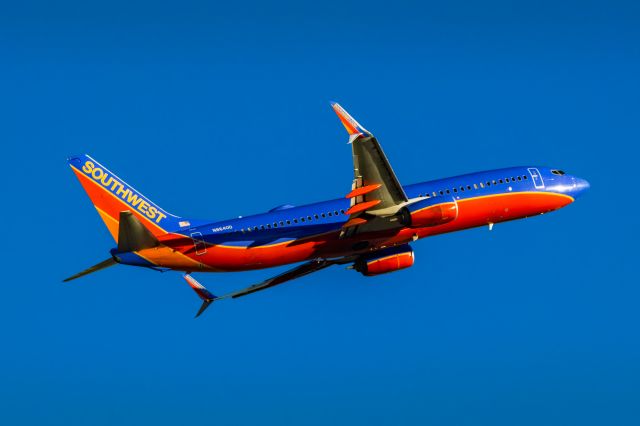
[370,229]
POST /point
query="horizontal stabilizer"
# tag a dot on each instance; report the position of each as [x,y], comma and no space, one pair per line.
[133,235]
[102,265]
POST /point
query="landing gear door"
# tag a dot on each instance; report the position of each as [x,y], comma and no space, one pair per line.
[198,243]
[538,183]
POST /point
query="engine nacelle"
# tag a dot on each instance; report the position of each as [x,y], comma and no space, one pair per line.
[430,212]
[386,260]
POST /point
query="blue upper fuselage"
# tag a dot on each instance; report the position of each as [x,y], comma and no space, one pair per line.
[289,222]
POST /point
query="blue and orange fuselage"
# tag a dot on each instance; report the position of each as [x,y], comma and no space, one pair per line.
[290,234]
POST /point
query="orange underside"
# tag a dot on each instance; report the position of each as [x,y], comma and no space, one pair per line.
[472,212]
[178,251]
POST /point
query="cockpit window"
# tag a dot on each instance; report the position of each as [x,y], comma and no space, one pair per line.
[557,172]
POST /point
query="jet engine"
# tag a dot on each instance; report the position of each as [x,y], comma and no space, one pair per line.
[430,212]
[386,260]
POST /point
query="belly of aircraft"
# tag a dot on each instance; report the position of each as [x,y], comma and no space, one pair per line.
[473,212]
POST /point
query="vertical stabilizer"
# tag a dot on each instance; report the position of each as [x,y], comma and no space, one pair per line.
[111,195]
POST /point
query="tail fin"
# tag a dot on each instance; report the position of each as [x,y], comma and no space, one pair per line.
[110,195]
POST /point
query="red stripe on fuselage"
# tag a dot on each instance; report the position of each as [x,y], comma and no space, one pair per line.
[473,212]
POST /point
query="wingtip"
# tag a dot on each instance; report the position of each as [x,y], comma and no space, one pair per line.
[204,294]
[354,128]
[204,306]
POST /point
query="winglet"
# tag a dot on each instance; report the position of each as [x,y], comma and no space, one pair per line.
[354,128]
[201,291]
[203,307]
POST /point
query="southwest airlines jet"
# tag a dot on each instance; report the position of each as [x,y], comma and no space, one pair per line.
[370,229]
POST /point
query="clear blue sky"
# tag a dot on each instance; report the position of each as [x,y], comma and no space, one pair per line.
[215,110]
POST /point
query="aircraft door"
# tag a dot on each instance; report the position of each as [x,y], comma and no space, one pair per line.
[538,183]
[198,243]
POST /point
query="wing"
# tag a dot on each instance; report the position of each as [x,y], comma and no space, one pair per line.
[292,274]
[376,194]
[297,272]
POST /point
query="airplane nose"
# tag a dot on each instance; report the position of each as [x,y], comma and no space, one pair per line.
[580,186]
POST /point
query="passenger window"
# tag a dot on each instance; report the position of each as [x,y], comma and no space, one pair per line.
[500,180]
[524,177]
[342,211]
[335,213]
[481,185]
[469,187]
[454,190]
[507,180]
[448,192]
[302,219]
[310,218]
